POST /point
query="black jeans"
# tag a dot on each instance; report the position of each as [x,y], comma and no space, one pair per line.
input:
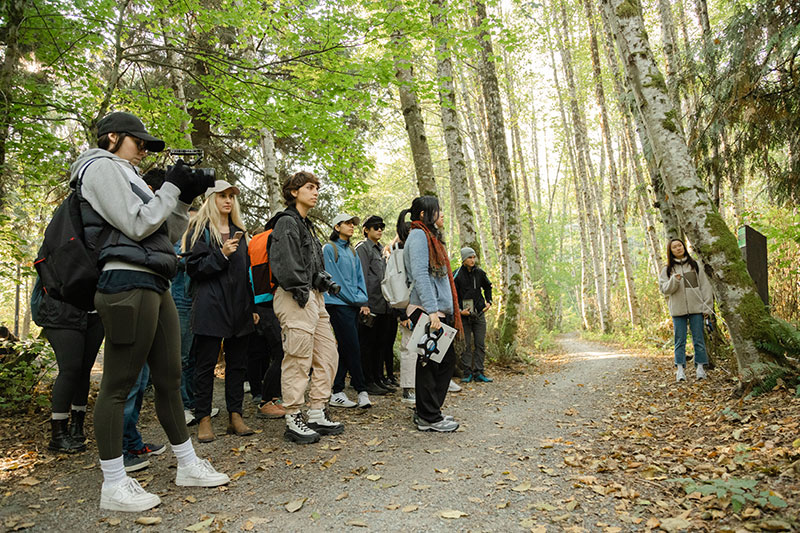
[75,351]
[269,329]
[377,343]
[206,352]
[257,362]
[432,380]
[344,319]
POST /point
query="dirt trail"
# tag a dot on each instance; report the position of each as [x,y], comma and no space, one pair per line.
[504,468]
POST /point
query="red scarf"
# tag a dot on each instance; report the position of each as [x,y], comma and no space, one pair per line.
[437,258]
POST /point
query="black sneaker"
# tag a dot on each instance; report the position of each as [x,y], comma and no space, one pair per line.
[134,463]
[386,384]
[376,389]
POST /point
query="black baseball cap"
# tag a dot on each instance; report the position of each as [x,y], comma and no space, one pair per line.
[374,222]
[122,122]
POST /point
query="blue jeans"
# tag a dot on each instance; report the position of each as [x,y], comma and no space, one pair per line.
[131,438]
[695,323]
[187,358]
[344,321]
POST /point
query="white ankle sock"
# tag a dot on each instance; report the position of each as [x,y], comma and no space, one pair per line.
[59,416]
[79,408]
[113,471]
[184,453]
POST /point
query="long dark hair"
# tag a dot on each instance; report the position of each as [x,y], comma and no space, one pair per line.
[672,261]
[403,227]
[426,210]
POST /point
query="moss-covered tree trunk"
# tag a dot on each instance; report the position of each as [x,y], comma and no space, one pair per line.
[759,341]
[507,201]
[459,185]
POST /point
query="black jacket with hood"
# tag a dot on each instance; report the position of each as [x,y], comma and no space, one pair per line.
[222,300]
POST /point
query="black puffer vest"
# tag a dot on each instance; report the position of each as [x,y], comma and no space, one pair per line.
[155,251]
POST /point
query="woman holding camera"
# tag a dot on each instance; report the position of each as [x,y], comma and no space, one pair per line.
[433,293]
[222,305]
[137,228]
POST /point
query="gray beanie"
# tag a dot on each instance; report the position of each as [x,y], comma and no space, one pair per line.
[466,252]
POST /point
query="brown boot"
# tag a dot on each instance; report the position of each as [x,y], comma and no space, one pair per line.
[205,433]
[236,425]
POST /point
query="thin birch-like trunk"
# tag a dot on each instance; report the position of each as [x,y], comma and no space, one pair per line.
[271,178]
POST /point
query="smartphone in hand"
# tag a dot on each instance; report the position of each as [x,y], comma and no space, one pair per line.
[238,235]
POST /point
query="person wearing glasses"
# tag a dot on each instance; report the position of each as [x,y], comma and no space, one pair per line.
[134,229]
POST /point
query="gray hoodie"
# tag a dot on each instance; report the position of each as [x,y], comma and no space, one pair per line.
[683,296]
[106,186]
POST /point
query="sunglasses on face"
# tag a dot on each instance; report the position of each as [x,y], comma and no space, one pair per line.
[141,144]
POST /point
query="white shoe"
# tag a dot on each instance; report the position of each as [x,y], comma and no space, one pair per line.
[127,495]
[189,416]
[200,474]
[340,399]
[409,396]
[363,400]
[214,412]
[297,430]
[453,387]
[319,421]
[700,373]
[246,386]
[680,375]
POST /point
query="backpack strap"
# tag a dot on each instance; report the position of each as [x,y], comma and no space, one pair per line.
[108,229]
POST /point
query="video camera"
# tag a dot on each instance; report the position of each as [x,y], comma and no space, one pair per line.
[193,157]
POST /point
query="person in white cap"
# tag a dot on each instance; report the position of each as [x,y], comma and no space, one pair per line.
[222,306]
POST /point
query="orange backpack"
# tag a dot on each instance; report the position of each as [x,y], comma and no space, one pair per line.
[264,284]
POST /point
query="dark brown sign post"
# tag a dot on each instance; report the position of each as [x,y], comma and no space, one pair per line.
[754,252]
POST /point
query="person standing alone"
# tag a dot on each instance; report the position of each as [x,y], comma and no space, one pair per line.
[474,299]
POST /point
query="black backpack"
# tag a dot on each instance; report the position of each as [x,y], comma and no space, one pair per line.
[67,268]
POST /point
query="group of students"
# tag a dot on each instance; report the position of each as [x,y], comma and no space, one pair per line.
[175,291]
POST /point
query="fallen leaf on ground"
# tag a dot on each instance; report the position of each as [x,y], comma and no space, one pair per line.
[373,477]
[373,442]
[420,487]
[393,506]
[522,487]
[200,525]
[29,481]
[410,508]
[671,525]
[356,523]
[148,520]
[237,475]
[295,505]
[452,514]
[342,496]
[190,499]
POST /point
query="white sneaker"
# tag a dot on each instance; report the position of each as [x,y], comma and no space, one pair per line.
[409,396]
[200,474]
[363,400]
[319,421]
[246,386]
[127,495]
[453,387]
[700,372]
[297,430]
[214,412]
[340,399]
[189,416]
[680,375]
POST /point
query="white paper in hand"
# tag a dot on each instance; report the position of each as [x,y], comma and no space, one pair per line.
[418,336]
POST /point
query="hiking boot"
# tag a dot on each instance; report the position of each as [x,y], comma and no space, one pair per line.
[453,387]
[205,433]
[680,374]
[483,379]
[442,426]
[76,420]
[377,389]
[700,373]
[467,378]
[297,430]
[237,426]
[60,441]
[134,463]
[409,396]
[340,399]
[149,449]
[271,410]
[127,495]
[319,421]
[200,474]
[363,400]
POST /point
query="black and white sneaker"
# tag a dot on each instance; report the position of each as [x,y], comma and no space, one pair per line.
[297,430]
[443,426]
[319,421]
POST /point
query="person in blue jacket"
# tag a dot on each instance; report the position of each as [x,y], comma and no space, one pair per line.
[344,266]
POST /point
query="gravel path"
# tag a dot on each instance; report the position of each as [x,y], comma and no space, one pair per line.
[504,469]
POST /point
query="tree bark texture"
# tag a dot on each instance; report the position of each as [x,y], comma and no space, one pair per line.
[507,202]
[752,330]
[13,14]
[271,178]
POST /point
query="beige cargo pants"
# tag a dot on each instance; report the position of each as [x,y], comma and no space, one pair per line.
[308,342]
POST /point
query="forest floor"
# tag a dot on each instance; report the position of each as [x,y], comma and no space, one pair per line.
[594,438]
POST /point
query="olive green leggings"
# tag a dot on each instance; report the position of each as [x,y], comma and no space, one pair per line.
[141,325]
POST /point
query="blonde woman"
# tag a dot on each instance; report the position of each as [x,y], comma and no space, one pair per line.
[222,305]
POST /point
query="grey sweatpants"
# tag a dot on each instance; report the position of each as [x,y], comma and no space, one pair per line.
[141,325]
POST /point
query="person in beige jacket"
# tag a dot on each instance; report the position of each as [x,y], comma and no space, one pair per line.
[688,292]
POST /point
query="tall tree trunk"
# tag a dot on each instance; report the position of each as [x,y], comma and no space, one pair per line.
[271,178]
[594,228]
[415,126]
[670,54]
[537,174]
[486,242]
[756,337]
[512,253]
[459,185]
[616,200]
[12,15]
